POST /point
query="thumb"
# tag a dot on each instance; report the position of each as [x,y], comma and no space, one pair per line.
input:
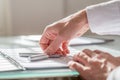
[54,46]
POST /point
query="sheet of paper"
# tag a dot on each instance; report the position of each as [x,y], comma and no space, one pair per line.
[51,63]
[42,64]
[6,65]
[75,41]
[85,40]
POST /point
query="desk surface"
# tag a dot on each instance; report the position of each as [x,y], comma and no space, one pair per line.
[20,42]
[111,47]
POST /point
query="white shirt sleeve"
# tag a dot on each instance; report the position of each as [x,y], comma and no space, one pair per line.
[114,75]
[104,18]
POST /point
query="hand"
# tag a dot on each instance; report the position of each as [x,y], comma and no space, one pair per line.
[56,36]
[94,65]
[50,42]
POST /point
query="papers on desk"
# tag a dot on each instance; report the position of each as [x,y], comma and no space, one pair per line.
[5,65]
[88,41]
[50,63]
[76,41]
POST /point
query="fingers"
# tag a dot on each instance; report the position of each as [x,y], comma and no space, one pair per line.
[85,61]
[96,65]
[44,42]
[103,54]
[93,55]
[59,51]
[43,46]
[46,39]
[97,53]
[88,57]
[81,58]
[77,66]
[54,46]
[65,47]
[88,52]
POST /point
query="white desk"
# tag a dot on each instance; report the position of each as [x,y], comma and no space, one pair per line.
[20,42]
[16,42]
[111,47]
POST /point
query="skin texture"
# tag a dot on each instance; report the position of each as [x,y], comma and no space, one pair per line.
[56,36]
[94,65]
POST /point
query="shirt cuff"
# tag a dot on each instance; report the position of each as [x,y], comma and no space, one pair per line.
[114,75]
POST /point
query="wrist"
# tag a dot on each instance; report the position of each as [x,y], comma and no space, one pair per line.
[80,18]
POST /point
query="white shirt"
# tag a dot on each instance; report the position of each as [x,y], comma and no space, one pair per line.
[114,75]
[104,19]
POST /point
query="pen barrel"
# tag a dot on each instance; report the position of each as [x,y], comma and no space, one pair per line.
[38,58]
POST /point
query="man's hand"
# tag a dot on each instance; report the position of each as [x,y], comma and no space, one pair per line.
[94,65]
[56,36]
[50,42]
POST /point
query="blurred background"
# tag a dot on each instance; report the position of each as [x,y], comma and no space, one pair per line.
[29,17]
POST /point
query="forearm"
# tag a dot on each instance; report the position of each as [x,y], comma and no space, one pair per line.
[77,24]
[79,17]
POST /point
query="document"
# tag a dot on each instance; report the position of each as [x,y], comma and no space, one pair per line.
[6,65]
[11,60]
[76,41]
[25,64]
[88,41]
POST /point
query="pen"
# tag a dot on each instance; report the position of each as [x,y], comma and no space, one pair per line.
[43,57]
[24,54]
[13,61]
